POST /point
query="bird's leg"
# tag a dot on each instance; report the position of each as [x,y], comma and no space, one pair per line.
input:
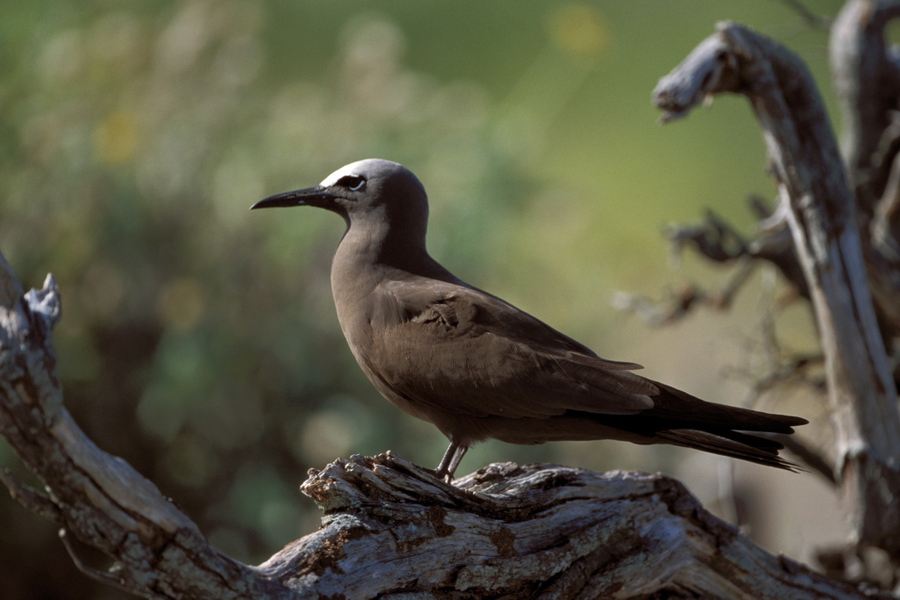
[457,458]
[443,469]
[450,461]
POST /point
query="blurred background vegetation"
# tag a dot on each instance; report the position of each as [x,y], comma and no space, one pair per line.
[199,341]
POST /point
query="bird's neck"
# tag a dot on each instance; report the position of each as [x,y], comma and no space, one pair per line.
[368,256]
[363,262]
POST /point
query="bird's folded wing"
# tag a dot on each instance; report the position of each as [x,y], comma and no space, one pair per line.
[449,345]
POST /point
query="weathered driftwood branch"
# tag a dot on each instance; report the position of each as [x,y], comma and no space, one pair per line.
[819,208]
[867,81]
[390,528]
[158,552]
[534,531]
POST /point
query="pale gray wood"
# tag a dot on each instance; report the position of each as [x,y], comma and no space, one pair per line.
[820,210]
[533,531]
[866,77]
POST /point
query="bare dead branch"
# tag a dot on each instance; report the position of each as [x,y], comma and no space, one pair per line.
[29,498]
[816,198]
[713,238]
[100,499]
[104,577]
[867,82]
[534,531]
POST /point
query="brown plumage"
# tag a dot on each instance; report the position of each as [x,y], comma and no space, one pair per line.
[476,366]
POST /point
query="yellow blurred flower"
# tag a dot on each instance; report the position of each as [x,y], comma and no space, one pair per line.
[579,29]
[115,139]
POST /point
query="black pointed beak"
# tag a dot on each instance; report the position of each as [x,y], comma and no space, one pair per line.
[314,196]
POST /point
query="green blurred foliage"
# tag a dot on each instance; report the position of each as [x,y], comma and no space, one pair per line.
[198,340]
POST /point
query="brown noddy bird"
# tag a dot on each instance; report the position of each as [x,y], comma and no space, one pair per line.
[476,366]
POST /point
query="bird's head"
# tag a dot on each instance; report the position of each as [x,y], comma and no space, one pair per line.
[371,192]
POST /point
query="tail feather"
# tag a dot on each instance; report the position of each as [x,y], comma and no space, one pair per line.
[675,405]
[683,420]
[745,447]
[768,444]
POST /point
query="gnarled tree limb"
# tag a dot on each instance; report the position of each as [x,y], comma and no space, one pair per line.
[158,552]
[867,80]
[536,531]
[820,210]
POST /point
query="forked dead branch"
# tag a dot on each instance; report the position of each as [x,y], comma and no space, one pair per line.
[827,203]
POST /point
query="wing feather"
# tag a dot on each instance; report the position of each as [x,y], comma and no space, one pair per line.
[450,346]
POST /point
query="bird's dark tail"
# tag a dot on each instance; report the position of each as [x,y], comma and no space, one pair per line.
[676,405]
[763,451]
[684,420]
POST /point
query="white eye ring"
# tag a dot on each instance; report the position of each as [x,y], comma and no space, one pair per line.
[353,183]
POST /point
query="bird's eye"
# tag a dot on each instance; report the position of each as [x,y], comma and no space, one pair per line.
[354,183]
